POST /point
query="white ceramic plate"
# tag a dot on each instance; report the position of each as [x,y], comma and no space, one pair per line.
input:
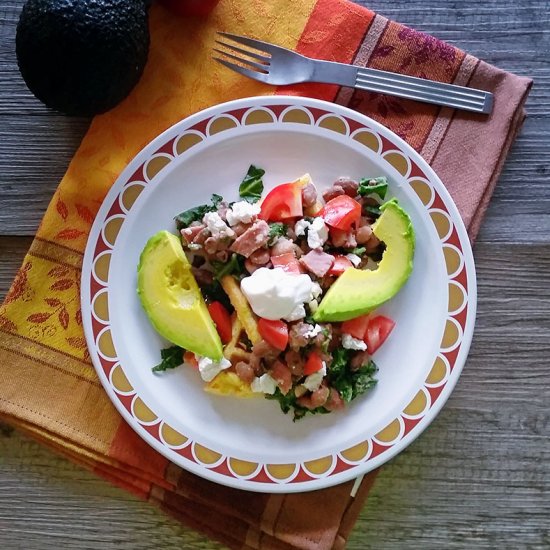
[250,444]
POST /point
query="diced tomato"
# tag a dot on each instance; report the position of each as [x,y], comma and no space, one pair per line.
[313,364]
[341,212]
[287,262]
[222,320]
[356,327]
[378,330]
[341,263]
[200,8]
[275,333]
[190,359]
[282,202]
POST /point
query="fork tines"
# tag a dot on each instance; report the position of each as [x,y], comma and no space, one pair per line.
[247,60]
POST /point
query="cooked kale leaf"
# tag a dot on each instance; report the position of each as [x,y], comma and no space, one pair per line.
[186,218]
[235,266]
[289,402]
[369,186]
[172,357]
[350,383]
[252,186]
[276,230]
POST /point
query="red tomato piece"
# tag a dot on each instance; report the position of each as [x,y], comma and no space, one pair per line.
[287,262]
[356,327]
[275,333]
[222,320]
[190,359]
[378,330]
[200,8]
[282,202]
[341,212]
[313,364]
[341,263]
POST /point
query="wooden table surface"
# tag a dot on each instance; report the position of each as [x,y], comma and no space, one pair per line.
[479,477]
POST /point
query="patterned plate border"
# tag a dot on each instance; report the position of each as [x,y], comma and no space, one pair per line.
[343,464]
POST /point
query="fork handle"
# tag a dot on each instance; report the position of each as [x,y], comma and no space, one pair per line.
[399,85]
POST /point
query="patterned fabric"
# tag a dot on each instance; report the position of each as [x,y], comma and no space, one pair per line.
[48,387]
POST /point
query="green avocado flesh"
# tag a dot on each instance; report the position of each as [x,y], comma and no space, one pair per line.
[172,299]
[357,292]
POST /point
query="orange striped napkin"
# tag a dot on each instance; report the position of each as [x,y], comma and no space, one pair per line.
[48,387]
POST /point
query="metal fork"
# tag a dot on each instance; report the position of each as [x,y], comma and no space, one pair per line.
[278,66]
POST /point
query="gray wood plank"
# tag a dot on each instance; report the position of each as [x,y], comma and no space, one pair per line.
[479,477]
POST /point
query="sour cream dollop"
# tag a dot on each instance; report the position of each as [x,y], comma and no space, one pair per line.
[275,294]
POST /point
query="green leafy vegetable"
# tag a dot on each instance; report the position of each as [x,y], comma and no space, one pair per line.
[172,357]
[373,211]
[215,293]
[369,186]
[252,186]
[235,266]
[350,383]
[289,403]
[186,218]
[359,251]
[276,230]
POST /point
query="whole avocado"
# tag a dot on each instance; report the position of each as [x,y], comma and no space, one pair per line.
[82,57]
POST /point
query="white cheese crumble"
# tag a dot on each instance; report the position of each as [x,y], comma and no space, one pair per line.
[313,381]
[209,368]
[300,227]
[264,384]
[317,234]
[316,291]
[217,227]
[349,342]
[275,294]
[354,259]
[313,331]
[242,212]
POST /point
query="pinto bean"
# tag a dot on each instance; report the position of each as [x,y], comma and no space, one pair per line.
[260,257]
[363,234]
[250,267]
[309,195]
[245,372]
[295,362]
[333,192]
[372,244]
[211,245]
[348,185]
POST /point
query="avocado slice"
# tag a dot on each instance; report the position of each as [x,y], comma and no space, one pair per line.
[172,299]
[357,292]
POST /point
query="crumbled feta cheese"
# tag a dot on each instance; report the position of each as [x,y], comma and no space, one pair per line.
[242,212]
[316,291]
[194,246]
[313,381]
[317,234]
[354,259]
[313,331]
[349,342]
[217,227]
[300,227]
[209,369]
[264,384]
[299,312]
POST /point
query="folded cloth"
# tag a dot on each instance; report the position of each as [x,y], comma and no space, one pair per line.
[48,387]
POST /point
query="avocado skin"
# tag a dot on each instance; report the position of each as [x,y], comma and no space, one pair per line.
[82,57]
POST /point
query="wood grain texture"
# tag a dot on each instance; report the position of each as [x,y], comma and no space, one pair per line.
[479,477]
